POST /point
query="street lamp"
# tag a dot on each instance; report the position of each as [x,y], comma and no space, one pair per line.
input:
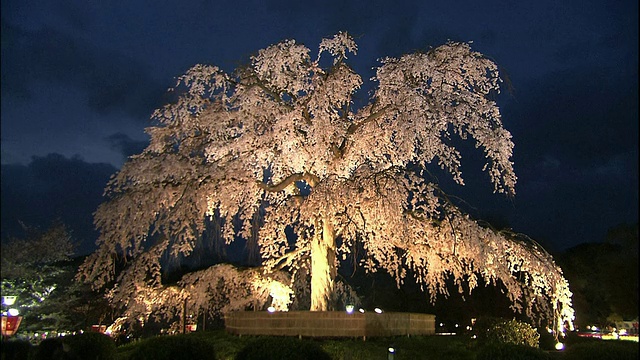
[10,319]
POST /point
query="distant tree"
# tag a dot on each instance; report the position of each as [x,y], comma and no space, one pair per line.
[604,276]
[39,269]
[281,138]
[31,268]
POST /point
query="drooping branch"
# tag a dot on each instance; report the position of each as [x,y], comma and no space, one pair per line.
[367,169]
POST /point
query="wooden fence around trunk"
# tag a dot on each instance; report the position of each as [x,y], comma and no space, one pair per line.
[329,323]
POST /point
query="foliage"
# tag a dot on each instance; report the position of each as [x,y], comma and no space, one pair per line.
[547,340]
[279,140]
[602,350]
[33,269]
[15,349]
[282,348]
[604,277]
[217,289]
[28,264]
[502,331]
[510,351]
[90,346]
[86,346]
[48,296]
[174,347]
[50,349]
[27,258]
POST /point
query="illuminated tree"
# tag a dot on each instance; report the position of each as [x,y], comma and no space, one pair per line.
[282,138]
[33,269]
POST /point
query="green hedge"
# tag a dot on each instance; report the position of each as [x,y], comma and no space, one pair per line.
[282,348]
[174,347]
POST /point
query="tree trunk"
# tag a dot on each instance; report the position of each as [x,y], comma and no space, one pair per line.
[323,268]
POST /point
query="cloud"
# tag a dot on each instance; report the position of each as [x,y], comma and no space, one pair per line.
[127,146]
[113,82]
[53,187]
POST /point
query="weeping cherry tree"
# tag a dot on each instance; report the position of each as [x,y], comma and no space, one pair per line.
[281,137]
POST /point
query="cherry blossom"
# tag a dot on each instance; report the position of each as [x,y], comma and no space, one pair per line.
[281,137]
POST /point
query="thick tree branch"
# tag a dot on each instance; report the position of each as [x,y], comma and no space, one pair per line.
[310,179]
[356,126]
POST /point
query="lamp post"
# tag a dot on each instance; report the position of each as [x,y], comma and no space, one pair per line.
[10,319]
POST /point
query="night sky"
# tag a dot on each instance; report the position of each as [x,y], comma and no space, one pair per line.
[81,78]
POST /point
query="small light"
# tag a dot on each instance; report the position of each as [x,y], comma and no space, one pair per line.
[361,310]
[349,309]
[271,309]
[8,300]
[559,346]
[441,324]
[378,310]
[391,353]
[14,312]
[456,325]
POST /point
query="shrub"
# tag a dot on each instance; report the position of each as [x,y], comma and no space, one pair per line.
[547,340]
[503,331]
[174,347]
[605,350]
[282,348]
[89,346]
[15,350]
[50,349]
[508,351]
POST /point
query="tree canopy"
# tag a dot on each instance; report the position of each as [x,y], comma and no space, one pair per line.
[39,271]
[280,139]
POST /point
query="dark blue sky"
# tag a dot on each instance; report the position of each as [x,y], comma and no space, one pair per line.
[80,79]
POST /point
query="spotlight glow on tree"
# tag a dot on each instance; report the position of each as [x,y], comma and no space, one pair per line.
[281,137]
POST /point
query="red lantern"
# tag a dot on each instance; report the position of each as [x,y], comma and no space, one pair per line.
[10,324]
[99,328]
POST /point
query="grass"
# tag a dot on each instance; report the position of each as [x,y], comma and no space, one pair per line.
[418,347]
[438,347]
